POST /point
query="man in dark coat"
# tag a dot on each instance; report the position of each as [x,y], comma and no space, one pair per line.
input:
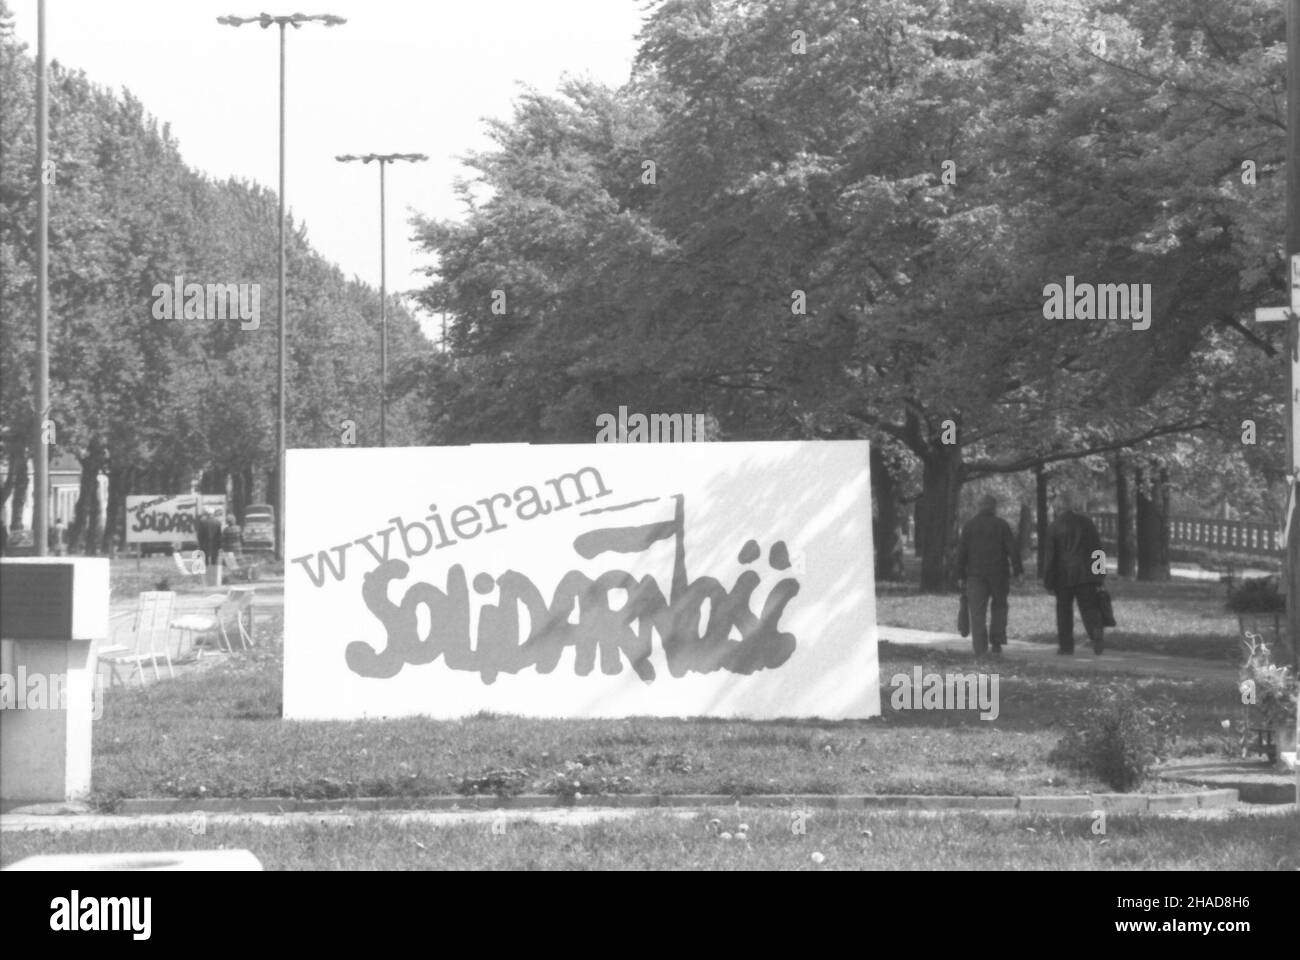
[1073,569]
[232,542]
[987,555]
[208,534]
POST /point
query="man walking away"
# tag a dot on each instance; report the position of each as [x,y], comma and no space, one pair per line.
[1072,543]
[232,541]
[987,555]
[208,534]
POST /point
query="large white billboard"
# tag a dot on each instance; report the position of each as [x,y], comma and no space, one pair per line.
[169,518]
[606,580]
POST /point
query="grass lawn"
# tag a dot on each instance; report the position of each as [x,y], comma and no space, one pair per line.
[1178,617]
[218,733]
[656,840]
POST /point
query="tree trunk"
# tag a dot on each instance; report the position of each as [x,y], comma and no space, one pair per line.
[941,486]
[18,466]
[273,498]
[888,541]
[1153,525]
[119,482]
[17,455]
[918,525]
[85,527]
[1040,503]
[1025,529]
[239,490]
[1123,520]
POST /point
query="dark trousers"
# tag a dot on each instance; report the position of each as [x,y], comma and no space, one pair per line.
[1085,594]
[979,592]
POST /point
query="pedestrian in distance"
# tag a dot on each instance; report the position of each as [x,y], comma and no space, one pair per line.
[208,534]
[988,555]
[232,542]
[1073,569]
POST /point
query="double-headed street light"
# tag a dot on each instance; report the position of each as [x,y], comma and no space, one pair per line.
[383,158]
[296,20]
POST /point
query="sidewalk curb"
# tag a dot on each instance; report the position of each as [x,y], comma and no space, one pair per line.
[1063,805]
[1262,793]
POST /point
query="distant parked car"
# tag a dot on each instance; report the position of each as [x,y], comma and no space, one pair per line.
[259,527]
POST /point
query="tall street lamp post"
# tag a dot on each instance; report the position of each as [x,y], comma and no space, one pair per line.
[383,159]
[295,20]
[1293,255]
[41,453]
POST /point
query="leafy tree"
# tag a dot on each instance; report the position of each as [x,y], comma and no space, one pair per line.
[152,402]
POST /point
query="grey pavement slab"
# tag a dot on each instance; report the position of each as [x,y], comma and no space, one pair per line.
[1256,780]
[1021,650]
[198,814]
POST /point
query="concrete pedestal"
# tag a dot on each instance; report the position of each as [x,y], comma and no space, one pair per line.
[45,735]
[52,611]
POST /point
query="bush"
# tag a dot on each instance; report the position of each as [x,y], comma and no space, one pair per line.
[1117,739]
[1256,595]
[503,783]
[1268,690]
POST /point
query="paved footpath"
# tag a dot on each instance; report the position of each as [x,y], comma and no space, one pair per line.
[1154,664]
[205,822]
[198,822]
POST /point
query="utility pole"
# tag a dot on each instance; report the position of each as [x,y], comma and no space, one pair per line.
[282,315]
[41,453]
[295,20]
[1291,316]
[1293,341]
[384,159]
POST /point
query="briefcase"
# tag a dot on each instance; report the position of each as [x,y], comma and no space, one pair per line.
[1107,608]
[963,616]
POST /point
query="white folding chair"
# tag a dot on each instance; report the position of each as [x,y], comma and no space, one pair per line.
[191,566]
[237,602]
[247,569]
[149,635]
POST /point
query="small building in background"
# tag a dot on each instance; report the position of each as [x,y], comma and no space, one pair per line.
[65,489]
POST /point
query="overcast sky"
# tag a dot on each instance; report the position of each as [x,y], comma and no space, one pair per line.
[398,77]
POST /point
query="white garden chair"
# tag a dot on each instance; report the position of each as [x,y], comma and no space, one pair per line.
[234,605]
[191,566]
[149,637]
[247,568]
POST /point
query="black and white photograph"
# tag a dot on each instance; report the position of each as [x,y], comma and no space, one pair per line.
[652,436]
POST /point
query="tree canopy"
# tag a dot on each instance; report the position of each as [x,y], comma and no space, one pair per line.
[153,401]
[818,218]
